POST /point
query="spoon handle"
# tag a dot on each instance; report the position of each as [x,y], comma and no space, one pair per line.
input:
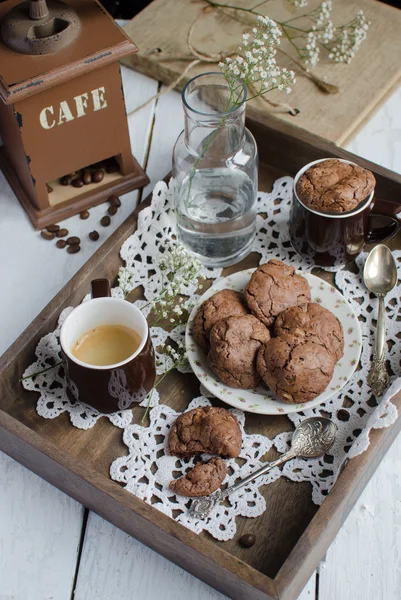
[265,469]
[381,329]
[201,507]
[378,376]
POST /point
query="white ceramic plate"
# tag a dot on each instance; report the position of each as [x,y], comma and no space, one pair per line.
[263,401]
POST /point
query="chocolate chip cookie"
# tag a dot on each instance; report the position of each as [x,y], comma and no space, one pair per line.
[205,429]
[274,287]
[335,186]
[295,373]
[311,322]
[226,303]
[234,344]
[202,480]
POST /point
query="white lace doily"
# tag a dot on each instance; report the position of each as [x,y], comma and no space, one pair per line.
[148,469]
[354,411]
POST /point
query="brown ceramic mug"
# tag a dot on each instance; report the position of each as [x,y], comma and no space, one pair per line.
[335,239]
[113,387]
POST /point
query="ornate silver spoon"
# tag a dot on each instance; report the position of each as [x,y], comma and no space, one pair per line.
[380,276]
[311,438]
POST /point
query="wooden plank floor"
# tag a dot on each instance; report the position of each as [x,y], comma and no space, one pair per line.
[51,548]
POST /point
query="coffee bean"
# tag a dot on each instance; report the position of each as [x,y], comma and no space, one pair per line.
[112,210]
[66,180]
[114,200]
[73,249]
[53,228]
[87,177]
[97,176]
[47,235]
[73,241]
[62,233]
[49,188]
[94,236]
[247,540]
[84,214]
[61,243]
[77,182]
[105,221]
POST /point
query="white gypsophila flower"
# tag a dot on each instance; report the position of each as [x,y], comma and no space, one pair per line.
[178,354]
[299,3]
[347,39]
[341,42]
[311,51]
[326,33]
[257,64]
[181,272]
[323,13]
[125,277]
[182,268]
[178,310]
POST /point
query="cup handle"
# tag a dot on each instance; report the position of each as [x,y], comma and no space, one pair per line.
[385,221]
[100,288]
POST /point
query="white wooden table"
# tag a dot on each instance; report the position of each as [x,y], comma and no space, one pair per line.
[52,548]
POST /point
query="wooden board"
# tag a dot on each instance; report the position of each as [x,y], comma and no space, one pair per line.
[291,541]
[365,84]
[40,531]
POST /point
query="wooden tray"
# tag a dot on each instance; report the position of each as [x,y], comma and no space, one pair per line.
[292,535]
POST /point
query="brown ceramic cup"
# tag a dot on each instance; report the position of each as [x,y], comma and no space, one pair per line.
[335,239]
[113,387]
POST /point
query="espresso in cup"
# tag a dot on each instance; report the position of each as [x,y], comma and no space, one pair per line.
[106,345]
[107,352]
[332,216]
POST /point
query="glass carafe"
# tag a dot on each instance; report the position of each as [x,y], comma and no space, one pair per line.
[215,168]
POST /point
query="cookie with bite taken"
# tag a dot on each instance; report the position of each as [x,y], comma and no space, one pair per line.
[202,480]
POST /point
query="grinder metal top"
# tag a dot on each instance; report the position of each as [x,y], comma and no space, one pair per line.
[46,42]
[40,27]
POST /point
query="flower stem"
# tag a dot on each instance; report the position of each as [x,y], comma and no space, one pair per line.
[148,405]
[314,27]
[230,105]
[40,372]
[205,148]
[150,395]
[289,38]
